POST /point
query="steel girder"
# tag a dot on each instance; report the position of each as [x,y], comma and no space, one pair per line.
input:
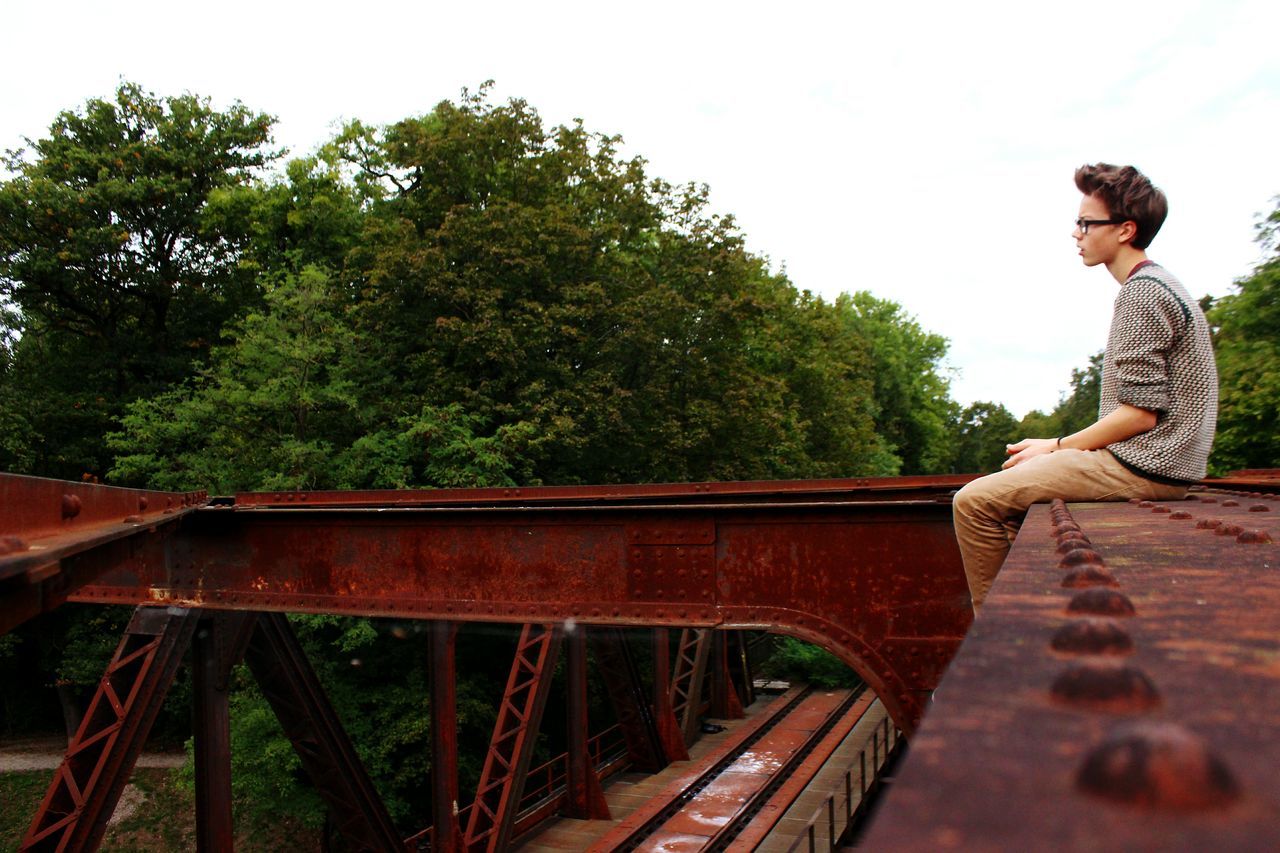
[877,582]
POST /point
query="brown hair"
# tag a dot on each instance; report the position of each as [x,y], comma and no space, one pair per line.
[1128,195]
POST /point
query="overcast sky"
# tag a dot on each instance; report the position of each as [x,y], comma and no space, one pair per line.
[923,152]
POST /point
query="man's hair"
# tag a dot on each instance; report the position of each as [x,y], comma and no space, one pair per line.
[1129,195]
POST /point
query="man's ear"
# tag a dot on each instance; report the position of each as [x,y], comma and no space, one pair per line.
[1128,230]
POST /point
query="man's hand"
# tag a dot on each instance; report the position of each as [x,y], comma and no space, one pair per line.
[1028,448]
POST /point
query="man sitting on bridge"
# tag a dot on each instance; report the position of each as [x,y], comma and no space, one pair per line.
[1159,396]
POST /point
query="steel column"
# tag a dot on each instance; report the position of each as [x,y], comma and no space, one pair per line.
[290,686]
[100,758]
[664,714]
[446,833]
[493,811]
[724,699]
[584,797]
[215,649]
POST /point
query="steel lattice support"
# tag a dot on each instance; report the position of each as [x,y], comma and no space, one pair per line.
[686,683]
[290,686]
[100,758]
[630,704]
[501,783]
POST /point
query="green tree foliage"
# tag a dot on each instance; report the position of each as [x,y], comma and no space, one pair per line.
[524,306]
[1247,347]
[983,432]
[119,277]
[913,408]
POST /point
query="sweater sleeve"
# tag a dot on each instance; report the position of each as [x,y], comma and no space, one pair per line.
[1145,324]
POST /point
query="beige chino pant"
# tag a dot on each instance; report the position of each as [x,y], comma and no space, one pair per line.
[989,510]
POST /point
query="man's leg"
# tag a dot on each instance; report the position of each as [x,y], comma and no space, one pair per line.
[986,511]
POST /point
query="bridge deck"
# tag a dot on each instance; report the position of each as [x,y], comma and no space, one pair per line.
[1065,726]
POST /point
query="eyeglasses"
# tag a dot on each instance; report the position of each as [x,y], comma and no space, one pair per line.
[1083,224]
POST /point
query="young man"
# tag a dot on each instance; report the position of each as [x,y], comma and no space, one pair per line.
[1159,400]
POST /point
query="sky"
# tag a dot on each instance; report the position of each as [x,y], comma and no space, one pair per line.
[922,151]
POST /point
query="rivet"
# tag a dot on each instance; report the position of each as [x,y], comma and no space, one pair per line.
[1073,544]
[1253,537]
[1259,508]
[1208,523]
[1145,504]
[1092,637]
[70,506]
[1080,557]
[1207,499]
[1161,508]
[1228,530]
[1101,601]
[1158,765]
[1135,500]
[142,503]
[133,519]
[1231,503]
[1089,576]
[1106,686]
[1179,515]
[1068,527]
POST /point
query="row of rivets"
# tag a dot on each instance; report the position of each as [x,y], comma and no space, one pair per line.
[1154,764]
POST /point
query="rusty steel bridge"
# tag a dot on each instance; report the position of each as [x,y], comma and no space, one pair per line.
[1120,690]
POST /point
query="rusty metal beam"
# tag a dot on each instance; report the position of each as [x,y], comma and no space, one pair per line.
[515,733]
[87,785]
[56,536]
[1117,691]
[290,686]
[879,584]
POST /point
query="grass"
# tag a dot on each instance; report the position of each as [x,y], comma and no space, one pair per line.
[164,821]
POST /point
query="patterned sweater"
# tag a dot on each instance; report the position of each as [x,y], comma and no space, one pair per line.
[1159,358]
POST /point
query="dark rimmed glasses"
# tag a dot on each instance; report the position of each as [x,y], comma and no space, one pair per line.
[1083,224]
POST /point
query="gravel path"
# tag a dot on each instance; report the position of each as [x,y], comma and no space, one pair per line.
[46,754]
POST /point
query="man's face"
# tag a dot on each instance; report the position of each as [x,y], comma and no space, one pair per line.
[1098,244]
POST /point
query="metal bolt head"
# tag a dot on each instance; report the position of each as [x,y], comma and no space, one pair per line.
[1102,602]
[70,506]
[1092,637]
[1231,503]
[1106,686]
[1161,508]
[1208,523]
[1254,537]
[1080,557]
[1259,508]
[1089,576]
[1073,544]
[1228,530]
[1158,765]
[1179,515]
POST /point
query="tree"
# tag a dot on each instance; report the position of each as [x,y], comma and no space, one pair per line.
[120,279]
[983,431]
[1247,348]
[913,408]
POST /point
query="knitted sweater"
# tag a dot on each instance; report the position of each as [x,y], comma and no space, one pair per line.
[1159,358]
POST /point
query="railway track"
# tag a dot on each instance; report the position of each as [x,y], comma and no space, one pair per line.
[713,807]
